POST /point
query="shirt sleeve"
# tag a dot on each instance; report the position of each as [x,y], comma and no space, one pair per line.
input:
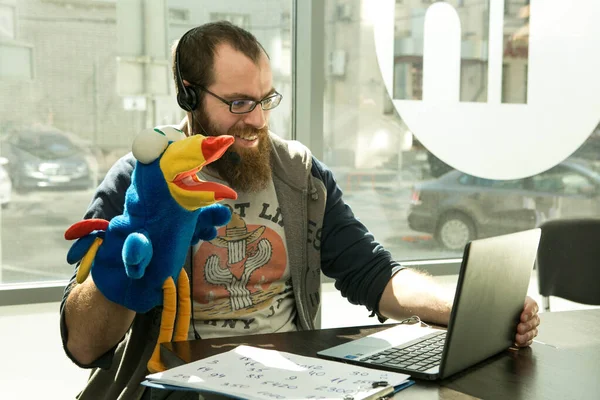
[108,201]
[360,265]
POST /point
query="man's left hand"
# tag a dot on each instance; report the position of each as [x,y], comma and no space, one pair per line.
[528,325]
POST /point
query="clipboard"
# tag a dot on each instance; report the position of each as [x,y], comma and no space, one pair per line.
[258,374]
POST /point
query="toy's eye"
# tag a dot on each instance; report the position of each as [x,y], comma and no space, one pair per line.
[148,145]
[171,133]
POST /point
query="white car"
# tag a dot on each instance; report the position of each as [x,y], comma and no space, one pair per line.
[5,184]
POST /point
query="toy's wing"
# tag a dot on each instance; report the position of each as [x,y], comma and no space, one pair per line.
[85,227]
[89,234]
[137,252]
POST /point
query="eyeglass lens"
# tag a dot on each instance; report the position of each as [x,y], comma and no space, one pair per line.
[244,106]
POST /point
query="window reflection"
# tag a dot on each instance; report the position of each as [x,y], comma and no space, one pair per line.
[418,206]
[79,80]
[67,74]
[474,17]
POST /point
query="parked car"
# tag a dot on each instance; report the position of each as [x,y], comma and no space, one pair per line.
[458,207]
[5,184]
[49,158]
[437,167]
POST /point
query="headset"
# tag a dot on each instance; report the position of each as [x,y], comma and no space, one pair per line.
[187,97]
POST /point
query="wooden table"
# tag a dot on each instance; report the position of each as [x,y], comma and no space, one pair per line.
[567,366]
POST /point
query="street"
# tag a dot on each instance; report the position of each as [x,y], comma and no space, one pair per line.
[383,208]
[31,234]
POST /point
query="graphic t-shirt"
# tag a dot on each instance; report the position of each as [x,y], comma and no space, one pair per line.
[241,279]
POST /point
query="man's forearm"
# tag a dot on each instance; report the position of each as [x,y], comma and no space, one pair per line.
[94,323]
[410,292]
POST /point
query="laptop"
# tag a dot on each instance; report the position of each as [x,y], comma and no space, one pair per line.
[492,285]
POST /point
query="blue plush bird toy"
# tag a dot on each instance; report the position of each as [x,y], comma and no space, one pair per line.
[137,258]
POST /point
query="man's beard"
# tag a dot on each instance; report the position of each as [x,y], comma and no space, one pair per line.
[251,172]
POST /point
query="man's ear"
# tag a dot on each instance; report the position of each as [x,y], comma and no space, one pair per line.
[186,83]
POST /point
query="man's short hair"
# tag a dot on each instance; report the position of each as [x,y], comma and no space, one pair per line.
[198,46]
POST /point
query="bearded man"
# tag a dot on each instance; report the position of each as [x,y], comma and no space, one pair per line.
[261,274]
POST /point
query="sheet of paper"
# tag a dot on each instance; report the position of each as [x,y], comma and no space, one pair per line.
[255,373]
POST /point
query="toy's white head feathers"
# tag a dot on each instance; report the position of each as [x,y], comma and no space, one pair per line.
[149,144]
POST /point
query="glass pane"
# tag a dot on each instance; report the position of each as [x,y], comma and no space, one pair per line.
[65,123]
[418,206]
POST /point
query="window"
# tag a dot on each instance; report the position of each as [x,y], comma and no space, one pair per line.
[563,180]
[469,180]
[178,15]
[63,127]
[393,176]
[7,22]
[286,27]
[13,47]
[242,20]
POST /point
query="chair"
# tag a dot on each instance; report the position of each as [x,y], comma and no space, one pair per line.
[568,261]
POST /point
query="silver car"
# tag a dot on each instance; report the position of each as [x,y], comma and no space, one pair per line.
[458,207]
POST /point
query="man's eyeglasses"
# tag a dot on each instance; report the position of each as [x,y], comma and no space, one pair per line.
[244,106]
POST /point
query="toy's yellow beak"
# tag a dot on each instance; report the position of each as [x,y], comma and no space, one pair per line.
[183,159]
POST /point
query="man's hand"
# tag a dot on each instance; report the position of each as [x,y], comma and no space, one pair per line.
[530,320]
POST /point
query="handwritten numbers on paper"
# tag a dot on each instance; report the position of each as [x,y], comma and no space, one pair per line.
[272,375]
[272,395]
[362,382]
[257,369]
[333,389]
[337,380]
[280,385]
[212,373]
[310,367]
[235,385]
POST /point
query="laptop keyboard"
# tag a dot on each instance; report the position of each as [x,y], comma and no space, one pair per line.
[422,355]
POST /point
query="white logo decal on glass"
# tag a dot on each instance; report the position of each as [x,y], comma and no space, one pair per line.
[492,139]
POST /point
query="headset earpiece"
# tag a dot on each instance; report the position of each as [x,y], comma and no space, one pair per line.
[187,97]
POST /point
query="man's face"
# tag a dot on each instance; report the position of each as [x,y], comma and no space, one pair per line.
[237,77]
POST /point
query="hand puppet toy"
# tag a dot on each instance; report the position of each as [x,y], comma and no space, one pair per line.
[137,258]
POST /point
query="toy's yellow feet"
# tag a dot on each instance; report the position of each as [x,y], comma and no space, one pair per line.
[170,310]
[167,323]
[184,307]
